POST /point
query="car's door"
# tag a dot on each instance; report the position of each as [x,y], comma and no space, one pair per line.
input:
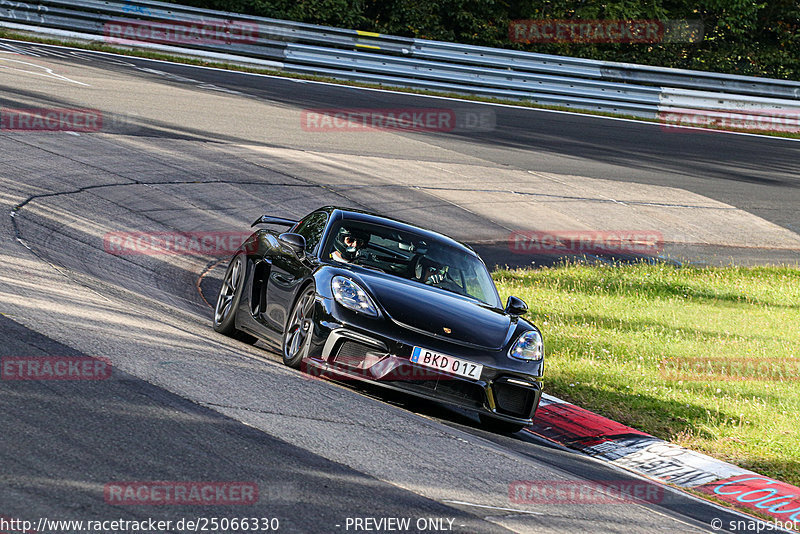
[288,270]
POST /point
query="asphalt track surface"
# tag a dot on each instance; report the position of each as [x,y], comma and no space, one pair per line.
[187,149]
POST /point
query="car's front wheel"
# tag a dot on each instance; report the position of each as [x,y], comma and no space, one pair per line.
[299,327]
[228,300]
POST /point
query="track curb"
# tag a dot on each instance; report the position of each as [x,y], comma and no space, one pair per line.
[601,438]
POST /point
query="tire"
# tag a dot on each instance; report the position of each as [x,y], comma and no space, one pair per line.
[299,327]
[230,294]
[499,426]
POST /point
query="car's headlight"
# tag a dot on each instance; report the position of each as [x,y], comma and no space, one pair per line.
[529,347]
[350,295]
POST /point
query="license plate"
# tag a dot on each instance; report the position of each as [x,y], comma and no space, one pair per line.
[445,363]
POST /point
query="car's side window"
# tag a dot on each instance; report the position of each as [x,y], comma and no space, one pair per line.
[311,229]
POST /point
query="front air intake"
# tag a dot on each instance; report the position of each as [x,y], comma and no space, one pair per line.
[352,353]
[514,399]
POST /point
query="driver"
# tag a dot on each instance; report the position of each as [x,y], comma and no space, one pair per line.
[430,272]
[348,243]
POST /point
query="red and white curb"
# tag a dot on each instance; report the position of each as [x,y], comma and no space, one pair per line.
[602,438]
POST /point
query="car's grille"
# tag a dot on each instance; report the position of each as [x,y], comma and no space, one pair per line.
[517,401]
[449,388]
[352,353]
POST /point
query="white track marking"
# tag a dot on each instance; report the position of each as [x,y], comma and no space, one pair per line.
[47,72]
[11,49]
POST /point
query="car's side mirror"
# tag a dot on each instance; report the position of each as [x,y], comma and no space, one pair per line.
[295,242]
[516,306]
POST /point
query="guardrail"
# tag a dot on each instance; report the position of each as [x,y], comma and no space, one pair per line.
[638,90]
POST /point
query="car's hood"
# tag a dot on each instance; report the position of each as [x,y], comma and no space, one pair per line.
[433,311]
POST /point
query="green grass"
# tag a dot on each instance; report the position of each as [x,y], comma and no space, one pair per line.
[616,335]
[148,54]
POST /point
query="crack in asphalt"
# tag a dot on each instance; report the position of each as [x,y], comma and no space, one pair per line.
[65,271]
[569,197]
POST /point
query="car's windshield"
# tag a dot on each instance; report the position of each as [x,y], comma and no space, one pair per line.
[411,256]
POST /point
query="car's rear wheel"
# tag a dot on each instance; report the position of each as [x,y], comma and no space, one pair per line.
[498,425]
[228,300]
[299,327]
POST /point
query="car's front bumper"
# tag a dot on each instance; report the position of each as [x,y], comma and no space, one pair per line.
[351,351]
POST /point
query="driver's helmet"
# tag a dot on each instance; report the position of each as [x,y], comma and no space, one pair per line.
[349,241]
[430,271]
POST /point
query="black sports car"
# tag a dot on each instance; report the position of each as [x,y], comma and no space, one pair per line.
[351,294]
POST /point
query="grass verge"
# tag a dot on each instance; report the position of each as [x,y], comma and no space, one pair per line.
[149,54]
[708,358]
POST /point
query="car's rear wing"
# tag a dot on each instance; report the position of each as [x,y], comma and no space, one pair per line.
[268,219]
